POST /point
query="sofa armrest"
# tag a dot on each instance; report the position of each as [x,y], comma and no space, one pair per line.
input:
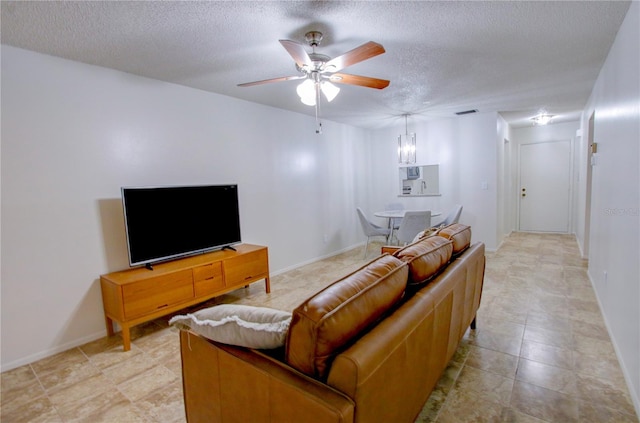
[389,249]
[226,383]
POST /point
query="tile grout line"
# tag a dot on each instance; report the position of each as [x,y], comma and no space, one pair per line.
[46,392]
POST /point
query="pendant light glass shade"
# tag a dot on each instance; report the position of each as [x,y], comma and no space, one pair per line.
[406,146]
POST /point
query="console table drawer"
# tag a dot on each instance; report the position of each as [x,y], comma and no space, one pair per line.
[246,268]
[156,293]
[208,279]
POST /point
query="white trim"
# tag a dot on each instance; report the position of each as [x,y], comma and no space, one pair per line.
[52,351]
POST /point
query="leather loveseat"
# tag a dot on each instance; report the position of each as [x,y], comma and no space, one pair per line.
[368,348]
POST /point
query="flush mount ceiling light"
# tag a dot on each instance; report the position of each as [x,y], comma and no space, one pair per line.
[542,118]
[320,71]
[406,145]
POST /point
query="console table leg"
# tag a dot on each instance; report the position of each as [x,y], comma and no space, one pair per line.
[473,324]
[267,285]
[126,338]
[109,324]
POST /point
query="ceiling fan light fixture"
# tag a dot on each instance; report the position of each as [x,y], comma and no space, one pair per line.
[307,92]
[329,90]
[308,101]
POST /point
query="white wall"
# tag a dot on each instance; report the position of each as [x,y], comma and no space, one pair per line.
[73,134]
[614,245]
[466,149]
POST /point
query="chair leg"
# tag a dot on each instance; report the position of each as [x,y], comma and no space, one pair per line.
[366,247]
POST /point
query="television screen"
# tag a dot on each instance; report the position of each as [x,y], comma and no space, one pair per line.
[168,222]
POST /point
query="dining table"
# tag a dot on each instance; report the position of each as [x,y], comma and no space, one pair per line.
[391,215]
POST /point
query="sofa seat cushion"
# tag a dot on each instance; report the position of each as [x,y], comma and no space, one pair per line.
[459,234]
[340,313]
[426,258]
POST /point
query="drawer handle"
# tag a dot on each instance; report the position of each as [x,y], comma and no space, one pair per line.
[208,279]
[163,306]
[248,277]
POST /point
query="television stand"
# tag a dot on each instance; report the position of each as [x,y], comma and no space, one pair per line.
[134,296]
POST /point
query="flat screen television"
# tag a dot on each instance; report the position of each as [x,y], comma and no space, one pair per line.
[168,222]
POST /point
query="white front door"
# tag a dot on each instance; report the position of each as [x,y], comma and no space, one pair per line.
[545,172]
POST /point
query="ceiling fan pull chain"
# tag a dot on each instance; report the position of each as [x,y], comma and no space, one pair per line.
[318,123]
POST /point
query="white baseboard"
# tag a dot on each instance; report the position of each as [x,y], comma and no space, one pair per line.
[315,259]
[52,351]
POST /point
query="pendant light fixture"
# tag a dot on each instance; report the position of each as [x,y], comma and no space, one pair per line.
[406,145]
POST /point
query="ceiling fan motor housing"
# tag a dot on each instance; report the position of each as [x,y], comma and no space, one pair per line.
[313,38]
[317,61]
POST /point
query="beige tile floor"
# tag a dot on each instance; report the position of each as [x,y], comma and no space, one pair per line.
[541,352]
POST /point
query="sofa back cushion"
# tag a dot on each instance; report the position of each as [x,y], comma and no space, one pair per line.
[459,234]
[426,258]
[339,314]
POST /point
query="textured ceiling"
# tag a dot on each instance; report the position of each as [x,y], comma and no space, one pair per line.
[441,57]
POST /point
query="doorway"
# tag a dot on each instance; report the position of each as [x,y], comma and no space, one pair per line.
[545,187]
[587,210]
[508,206]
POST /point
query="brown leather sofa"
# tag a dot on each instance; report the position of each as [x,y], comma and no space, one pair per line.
[368,348]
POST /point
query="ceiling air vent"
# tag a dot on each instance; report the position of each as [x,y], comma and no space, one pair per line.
[467,112]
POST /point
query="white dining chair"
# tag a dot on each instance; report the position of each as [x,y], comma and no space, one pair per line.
[370,229]
[412,223]
[394,222]
[452,217]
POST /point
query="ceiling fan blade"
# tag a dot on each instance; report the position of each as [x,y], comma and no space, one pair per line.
[357,55]
[363,81]
[266,81]
[297,51]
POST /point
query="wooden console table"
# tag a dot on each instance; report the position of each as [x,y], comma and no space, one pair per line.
[138,295]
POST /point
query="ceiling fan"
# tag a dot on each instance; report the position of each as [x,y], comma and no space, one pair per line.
[319,70]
